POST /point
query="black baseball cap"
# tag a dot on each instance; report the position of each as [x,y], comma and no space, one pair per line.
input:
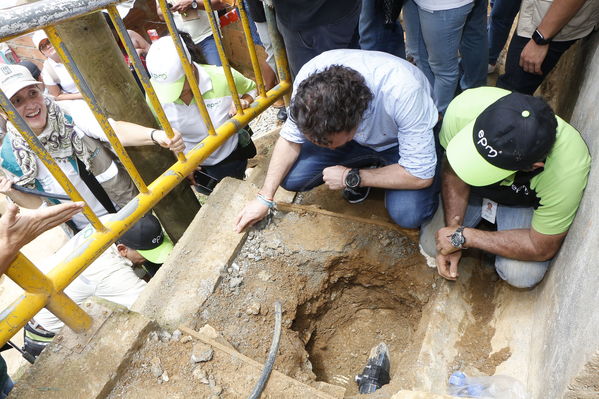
[509,135]
[147,238]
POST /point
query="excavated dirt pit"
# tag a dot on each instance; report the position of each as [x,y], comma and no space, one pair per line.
[344,288]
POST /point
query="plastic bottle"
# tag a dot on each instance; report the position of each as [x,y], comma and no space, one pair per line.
[489,387]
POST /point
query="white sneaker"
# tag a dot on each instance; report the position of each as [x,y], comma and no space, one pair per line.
[491,68]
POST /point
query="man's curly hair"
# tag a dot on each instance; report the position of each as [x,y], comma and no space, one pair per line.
[330,101]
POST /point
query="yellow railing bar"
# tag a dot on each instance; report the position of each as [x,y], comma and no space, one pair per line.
[37,147]
[279,50]
[193,82]
[223,57]
[90,99]
[142,74]
[97,241]
[251,49]
[38,286]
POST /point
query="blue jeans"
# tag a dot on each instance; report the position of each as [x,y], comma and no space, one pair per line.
[407,208]
[517,273]
[5,390]
[502,18]
[435,38]
[375,35]
[474,47]
[208,46]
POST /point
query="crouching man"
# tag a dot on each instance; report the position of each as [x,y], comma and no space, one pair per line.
[510,161]
[359,119]
[111,276]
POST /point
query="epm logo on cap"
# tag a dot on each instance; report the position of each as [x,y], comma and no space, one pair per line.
[484,143]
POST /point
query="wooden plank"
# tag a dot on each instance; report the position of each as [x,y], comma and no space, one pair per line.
[309,390]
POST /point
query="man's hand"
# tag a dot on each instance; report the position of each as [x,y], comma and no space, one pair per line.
[444,245]
[334,177]
[6,185]
[447,265]
[181,6]
[532,57]
[175,144]
[233,110]
[253,212]
[18,229]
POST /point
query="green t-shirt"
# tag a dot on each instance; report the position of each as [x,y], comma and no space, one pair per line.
[559,186]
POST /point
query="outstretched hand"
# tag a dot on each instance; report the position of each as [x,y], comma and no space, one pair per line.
[19,228]
[253,212]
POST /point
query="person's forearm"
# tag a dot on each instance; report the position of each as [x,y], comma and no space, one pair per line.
[131,134]
[68,96]
[392,177]
[559,14]
[283,157]
[514,244]
[455,194]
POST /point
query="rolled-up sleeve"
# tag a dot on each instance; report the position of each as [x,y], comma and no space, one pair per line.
[415,115]
[290,132]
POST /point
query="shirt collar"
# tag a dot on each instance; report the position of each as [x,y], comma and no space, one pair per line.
[205,82]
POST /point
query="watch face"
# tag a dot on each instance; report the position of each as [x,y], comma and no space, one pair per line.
[194,4]
[352,180]
[457,240]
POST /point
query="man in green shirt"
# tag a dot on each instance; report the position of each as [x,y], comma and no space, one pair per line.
[510,161]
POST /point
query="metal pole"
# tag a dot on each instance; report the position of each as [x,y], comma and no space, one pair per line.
[223,57]
[279,49]
[191,78]
[90,99]
[251,48]
[144,78]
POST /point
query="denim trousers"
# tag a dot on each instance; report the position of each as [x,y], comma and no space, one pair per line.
[516,78]
[5,390]
[501,20]
[375,35]
[407,208]
[208,46]
[435,38]
[474,47]
[517,273]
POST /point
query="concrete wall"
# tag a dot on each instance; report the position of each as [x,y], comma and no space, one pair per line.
[566,332]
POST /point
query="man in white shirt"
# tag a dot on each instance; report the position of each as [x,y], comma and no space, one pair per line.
[359,119]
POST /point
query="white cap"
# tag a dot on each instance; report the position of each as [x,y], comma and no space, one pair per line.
[166,70]
[13,78]
[37,38]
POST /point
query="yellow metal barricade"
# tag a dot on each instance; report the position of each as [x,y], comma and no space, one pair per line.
[47,290]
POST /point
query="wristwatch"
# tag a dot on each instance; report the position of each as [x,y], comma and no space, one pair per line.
[194,4]
[539,39]
[352,179]
[457,238]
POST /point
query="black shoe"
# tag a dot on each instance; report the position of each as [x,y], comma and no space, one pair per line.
[282,114]
[356,195]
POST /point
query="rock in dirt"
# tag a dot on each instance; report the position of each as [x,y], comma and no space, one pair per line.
[164,377]
[264,275]
[156,367]
[216,390]
[176,335]
[200,375]
[201,353]
[235,282]
[186,339]
[164,336]
[254,308]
